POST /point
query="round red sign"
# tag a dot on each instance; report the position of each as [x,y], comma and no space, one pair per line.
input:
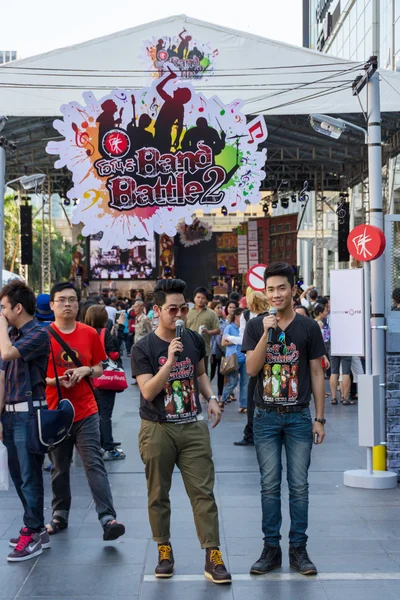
[116,143]
[255,277]
[366,242]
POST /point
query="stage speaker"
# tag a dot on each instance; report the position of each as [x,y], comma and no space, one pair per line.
[26,235]
[343,213]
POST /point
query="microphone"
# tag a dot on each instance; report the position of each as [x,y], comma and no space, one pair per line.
[274,312]
[179,331]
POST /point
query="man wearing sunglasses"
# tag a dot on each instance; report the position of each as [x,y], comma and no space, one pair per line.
[170,373]
[284,352]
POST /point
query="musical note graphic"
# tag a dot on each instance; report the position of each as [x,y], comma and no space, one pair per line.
[154,108]
[234,105]
[256,131]
[82,140]
[222,111]
[122,97]
[215,53]
[96,196]
[245,178]
[341,211]
[203,104]
[238,119]
[143,102]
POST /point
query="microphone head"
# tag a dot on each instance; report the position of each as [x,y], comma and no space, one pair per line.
[273,311]
[179,323]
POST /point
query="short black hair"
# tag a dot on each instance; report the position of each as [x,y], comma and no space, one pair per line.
[166,287]
[201,290]
[322,300]
[237,312]
[279,269]
[235,296]
[61,286]
[107,301]
[319,309]
[396,295]
[17,292]
[313,294]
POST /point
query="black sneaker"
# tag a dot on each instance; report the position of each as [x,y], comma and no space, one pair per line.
[165,567]
[271,558]
[44,538]
[299,560]
[244,442]
[215,568]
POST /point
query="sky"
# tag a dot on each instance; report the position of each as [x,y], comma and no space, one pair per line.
[36,27]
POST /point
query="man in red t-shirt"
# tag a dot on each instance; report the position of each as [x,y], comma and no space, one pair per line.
[83,343]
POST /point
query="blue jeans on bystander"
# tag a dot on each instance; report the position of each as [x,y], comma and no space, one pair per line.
[233,378]
[294,431]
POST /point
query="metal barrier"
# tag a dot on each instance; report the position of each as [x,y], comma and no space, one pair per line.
[391,284]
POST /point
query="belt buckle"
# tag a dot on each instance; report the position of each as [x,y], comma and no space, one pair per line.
[281,409]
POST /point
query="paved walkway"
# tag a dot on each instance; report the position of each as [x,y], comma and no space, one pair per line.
[354,534]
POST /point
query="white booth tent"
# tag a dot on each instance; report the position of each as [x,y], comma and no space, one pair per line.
[283,82]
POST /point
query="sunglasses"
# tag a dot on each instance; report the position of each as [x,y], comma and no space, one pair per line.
[282,341]
[173,310]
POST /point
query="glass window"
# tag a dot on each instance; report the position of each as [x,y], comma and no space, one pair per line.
[7,56]
[360,28]
[272,228]
[368,43]
[273,243]
[280,243]
[279,228]
[368,14]
[353,43]
[346,28]
[353,17]
[288,241]
[287,226]
[13,56]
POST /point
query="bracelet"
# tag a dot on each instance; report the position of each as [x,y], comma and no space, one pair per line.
[212,398]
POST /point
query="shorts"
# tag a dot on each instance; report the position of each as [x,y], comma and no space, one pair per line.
[336,361]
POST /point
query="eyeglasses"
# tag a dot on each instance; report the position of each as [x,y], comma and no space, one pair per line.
[173,310]
[282,341]
[69,300]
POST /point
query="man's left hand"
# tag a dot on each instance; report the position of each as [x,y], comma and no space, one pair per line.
[319,429]
[4,323]
[76,375]
[214,409]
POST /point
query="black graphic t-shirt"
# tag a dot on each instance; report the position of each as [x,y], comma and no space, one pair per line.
[179,400]
[285,378]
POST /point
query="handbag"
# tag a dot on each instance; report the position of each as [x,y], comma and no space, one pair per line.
[229,364]
[113,378]
[47,428]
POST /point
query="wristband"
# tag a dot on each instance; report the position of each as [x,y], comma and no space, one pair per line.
[212,398]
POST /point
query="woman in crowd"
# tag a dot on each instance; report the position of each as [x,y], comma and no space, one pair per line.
[321,311]
[96,317]
[217,351]
[232,329]
[231,305]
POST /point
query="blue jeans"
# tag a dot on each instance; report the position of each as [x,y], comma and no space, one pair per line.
[25,468]
[294,430]
[232,383]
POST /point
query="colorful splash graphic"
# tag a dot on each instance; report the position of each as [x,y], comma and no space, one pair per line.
[143,160]
[188,57]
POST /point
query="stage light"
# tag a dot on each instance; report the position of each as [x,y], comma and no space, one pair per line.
[66,201]
[285,202]
[265,209]
[274,203]
[224,211]
[293,197]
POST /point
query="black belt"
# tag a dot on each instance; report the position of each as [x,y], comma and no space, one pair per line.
[284,409]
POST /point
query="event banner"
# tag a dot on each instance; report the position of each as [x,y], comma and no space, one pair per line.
[142,160]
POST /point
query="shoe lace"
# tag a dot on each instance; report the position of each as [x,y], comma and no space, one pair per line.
[23,541]
[302,553]
[266,551]
[165,552]
[216,558]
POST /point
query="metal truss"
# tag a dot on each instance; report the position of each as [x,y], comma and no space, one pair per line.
[319,234]
[45,282]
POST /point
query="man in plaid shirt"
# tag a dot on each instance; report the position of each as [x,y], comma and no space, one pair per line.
[26,342]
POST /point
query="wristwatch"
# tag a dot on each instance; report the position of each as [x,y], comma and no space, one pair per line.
[212,398]
[91,372]
[322,421]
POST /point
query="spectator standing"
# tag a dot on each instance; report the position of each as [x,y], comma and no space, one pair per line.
[229,339]
[26,343]
[74,339]
[111,310]
[204,321]
[288,368]
[97,317]
[142,324]
[44,314]
[230,306]
[217,351]
[171,373]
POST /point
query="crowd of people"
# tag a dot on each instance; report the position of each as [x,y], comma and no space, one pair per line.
[277,358]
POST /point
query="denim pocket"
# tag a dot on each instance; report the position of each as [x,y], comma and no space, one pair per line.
[306,414]
[258,414]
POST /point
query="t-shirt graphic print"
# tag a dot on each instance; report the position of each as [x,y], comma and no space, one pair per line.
[180,391]
[281,375]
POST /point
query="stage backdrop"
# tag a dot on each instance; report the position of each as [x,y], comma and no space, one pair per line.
[143,159]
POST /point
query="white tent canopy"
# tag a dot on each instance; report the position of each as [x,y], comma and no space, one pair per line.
[271,77]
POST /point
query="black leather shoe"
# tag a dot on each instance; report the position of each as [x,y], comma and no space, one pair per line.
[299,560]
[244,443]
[165,567]
[271,558]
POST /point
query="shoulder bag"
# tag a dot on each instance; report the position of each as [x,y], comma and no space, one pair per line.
[47,428]
[113,378]
[229,364]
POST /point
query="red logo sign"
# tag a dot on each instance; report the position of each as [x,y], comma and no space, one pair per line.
[366,242]
[116,143]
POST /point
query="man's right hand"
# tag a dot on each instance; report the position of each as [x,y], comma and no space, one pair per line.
[270,322]
[175,346]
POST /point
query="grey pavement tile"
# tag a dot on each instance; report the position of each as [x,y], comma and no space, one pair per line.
[133,530]
[69,581]
[355,563]
[392,545]
[331,546]
[195,590]
[362,590]
[12,576]
[384,530]
[262,589]
[377,513]
[95,552]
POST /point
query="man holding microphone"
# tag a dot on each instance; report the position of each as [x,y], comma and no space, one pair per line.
[284,350]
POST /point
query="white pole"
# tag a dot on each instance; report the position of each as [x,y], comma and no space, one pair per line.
[368,349]
[376,218]
[2,194]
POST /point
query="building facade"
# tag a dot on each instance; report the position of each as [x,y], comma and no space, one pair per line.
[7,56]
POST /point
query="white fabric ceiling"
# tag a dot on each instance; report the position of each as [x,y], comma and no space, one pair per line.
[271,77]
